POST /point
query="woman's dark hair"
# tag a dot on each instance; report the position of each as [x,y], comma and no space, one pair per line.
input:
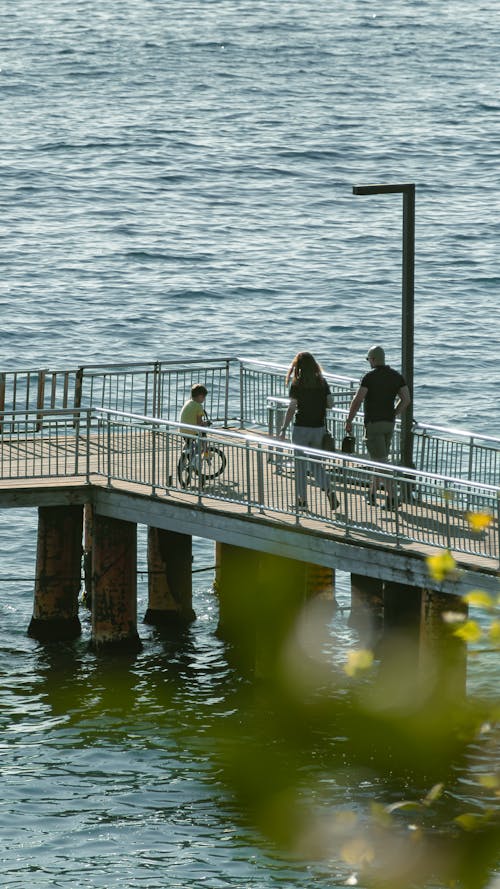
[305,370]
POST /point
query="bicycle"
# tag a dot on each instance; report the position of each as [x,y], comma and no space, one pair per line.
[200,461]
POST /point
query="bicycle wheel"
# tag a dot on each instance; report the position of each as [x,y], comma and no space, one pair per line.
[213,462]
[185,470]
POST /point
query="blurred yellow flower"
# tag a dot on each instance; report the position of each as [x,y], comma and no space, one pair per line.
[441,565]
[478,521]
[357,661]
[479,598]
[470,631]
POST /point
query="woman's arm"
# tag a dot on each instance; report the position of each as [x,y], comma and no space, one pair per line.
[292,407]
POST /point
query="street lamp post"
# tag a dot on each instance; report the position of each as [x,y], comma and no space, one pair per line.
[408,294]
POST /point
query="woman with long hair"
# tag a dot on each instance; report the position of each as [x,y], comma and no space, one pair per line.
[310,396]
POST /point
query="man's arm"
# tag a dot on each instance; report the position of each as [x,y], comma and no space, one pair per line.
[404,401]
[355,406]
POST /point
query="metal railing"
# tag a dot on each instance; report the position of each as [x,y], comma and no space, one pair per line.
[457,452]
[259,474]
[260,381]
[437,449]
[159,389]
[45,444]
[252,393]
[42,389]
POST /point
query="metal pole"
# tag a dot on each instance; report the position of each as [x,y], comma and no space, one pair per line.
[407,326]
[408,299]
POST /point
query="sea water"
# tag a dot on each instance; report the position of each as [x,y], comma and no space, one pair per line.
[177,180]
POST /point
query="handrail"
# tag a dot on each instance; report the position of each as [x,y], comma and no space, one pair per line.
[242,389]
[260,474]
[434,510]
[228,435]
[454,430]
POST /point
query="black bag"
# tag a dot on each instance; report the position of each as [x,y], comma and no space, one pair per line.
[327,442]
[348,443]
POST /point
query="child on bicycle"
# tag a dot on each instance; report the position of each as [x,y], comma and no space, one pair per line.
[193,411]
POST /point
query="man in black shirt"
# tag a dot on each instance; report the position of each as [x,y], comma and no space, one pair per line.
[379,389]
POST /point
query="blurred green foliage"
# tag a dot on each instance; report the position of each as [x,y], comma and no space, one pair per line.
[383,718]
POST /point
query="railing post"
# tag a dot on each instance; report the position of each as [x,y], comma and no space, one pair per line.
[260,476]
[471,451]
[242,406]
[226,394]
[87,445]
[76,424]
[447,514]
[200,474]
[108,454]
[78,387]
[154,433]
[156,397]
[3,378]
[249,478]
[40,398]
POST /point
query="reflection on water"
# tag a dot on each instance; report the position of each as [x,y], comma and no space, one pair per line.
[105,759]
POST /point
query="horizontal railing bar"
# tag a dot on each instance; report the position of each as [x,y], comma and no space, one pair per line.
[221,435]
[406,473]
[282,368]
[451,430]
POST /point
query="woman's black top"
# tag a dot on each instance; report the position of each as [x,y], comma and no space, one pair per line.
[311,403]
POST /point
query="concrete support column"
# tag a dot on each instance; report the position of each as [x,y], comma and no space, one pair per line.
[443,657]
[367,608]
[398,649]
[260,597]
[58,573]
[282,591]
[114,585]
[237,576]
[402,608]
[170,590]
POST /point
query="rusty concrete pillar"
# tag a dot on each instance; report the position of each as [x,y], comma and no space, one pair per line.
[88,534]
[367,608]
[58,574]
[320,583]
[170,590]
[114,585]
[443,656]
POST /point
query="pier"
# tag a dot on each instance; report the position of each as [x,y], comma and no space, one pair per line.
[98,450]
